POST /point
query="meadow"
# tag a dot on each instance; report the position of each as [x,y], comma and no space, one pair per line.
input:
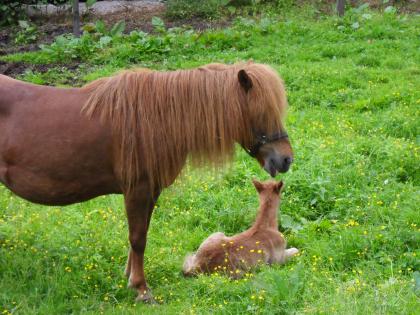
[351,202]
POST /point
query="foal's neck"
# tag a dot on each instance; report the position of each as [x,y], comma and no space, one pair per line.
[267,213]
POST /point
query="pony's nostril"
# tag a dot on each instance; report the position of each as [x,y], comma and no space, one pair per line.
[288,160]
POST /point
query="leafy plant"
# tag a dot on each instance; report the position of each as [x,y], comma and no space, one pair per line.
[158,24]
[28,33]
[117,29]
[11,12]
[67,47]
[99,28]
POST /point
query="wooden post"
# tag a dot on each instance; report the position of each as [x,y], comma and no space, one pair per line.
[340,7]
[76,18]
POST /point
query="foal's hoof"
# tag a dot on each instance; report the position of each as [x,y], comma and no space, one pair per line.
[294,251]
[145,297]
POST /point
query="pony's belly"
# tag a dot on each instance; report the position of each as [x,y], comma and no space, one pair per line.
[43,189]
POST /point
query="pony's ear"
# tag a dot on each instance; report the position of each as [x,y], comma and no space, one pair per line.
[279,187]
[244,80]
[258,185]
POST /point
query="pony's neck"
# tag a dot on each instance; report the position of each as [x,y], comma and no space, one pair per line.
[267,213]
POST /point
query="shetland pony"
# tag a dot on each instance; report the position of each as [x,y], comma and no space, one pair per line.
[132,134]
[262,243]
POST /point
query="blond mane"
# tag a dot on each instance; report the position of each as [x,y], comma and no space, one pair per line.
[160,118]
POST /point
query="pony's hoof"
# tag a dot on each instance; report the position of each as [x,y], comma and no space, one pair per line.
[145,297]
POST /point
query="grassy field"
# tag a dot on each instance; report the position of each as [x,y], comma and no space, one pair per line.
[351,203]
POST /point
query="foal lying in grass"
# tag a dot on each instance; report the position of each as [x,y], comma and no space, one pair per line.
[262,243]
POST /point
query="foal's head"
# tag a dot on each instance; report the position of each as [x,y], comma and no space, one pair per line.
[266,101]
[268,188]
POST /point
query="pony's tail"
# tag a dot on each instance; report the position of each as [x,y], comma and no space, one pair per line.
[190,267]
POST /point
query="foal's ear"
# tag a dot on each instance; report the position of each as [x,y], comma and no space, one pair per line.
[279,187]
[244,80]
[258,185]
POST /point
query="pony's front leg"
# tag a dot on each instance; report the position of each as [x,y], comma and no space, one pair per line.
[139,207]
[127,271]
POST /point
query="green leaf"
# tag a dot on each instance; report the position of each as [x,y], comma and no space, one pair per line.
[23,24]
[231,9]
[390,9]
[158,22]
[118,28]
[90,3]
[105,40]
[362,7]
[89,27]
[100,27]
[287,222]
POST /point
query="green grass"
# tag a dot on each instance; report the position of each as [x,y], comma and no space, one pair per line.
[351,203]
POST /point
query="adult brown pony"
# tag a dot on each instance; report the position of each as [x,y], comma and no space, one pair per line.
[132,134]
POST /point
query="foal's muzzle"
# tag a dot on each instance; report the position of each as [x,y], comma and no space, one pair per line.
[277,164]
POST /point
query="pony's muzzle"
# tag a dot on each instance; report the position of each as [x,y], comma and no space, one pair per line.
[277,164]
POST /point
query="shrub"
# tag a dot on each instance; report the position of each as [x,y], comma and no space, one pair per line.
[11,12]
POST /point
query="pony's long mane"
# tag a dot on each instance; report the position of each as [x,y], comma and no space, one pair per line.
[161,117]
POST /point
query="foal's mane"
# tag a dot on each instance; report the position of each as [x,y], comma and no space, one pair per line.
[161,117]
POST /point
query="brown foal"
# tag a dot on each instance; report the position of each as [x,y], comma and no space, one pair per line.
[235,255]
